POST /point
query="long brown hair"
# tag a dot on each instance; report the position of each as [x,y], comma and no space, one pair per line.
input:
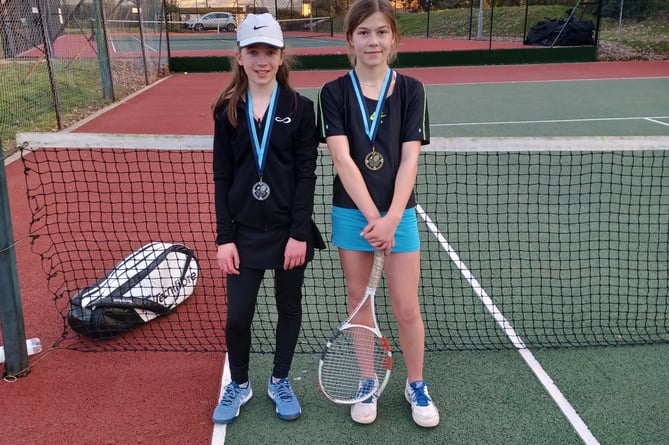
[236,88]
[358,13]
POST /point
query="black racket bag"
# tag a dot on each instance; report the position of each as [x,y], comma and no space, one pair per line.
[151,282]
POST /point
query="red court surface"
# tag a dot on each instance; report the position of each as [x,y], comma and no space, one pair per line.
[165,398]
[181,103]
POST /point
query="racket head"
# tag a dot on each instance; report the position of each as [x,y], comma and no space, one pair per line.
[356,352]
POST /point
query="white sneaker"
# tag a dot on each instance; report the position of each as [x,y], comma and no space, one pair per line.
[365,412]
[423,409]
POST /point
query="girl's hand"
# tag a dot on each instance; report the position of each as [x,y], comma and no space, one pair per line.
[380,233]
[295,254]
[228,258]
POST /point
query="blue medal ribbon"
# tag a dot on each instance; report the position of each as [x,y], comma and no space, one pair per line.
[260,147]
[376,117]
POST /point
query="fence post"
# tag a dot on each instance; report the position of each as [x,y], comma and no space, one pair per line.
[11,312]
[43,14]
[620,20]
[103,52]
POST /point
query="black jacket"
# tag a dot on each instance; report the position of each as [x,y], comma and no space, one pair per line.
[289,171]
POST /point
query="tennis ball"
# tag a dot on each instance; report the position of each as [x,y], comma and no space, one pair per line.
[185,73]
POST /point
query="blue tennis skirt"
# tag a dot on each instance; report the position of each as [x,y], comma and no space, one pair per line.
[348,223]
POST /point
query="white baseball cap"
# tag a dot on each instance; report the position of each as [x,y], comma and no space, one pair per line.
[260,28]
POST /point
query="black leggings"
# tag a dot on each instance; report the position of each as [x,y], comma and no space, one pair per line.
[242,297]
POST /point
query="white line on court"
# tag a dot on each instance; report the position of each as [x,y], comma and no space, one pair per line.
[218,434]
[552,121]
[654,120]
[552,389]
[139,41]
[546,81]
[147,46]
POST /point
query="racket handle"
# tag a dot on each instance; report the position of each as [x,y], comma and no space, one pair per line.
[377,269]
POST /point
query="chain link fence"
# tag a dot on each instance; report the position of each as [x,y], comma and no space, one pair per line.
[63,59]
[60,60]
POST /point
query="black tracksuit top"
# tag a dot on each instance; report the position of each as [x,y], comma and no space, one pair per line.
[289,170]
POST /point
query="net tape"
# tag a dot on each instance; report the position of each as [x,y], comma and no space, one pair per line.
[537,242]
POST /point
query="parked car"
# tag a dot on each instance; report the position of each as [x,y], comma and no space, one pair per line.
[214,20]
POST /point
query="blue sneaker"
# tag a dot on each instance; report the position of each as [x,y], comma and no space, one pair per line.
[287,406]
[233,399]
[365,412]
[423,409]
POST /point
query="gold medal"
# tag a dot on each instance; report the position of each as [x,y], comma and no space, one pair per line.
[374,160]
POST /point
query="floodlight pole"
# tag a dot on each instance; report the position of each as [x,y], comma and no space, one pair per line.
[620,21]
[479,30]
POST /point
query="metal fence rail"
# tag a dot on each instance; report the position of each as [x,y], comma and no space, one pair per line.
[62,59]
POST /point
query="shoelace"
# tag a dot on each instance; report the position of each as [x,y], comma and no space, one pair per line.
[230,394]
[284,391]
[419,396]
[365,387]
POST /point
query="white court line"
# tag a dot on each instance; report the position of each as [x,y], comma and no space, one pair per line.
[656,121]
[552,389]
[145,44]
[553,121]
[218,434]
[516,82]
[111,42]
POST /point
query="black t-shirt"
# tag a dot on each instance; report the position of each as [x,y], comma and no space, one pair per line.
[404,118]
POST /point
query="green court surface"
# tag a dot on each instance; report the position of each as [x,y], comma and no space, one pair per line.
[613,107]
[484,398]
[210,41]
[607,395]
[220,40]
[537,232]
[617,107]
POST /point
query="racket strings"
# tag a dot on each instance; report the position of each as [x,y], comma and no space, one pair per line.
[354,355]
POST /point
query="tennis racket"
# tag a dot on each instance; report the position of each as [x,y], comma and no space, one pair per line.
[356,361]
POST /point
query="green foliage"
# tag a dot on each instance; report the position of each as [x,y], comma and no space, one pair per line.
[171,8]
[508,21]
[451,4]
[26,103]
[634,9]
[650,35]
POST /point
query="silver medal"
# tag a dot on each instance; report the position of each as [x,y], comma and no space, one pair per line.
[260,191]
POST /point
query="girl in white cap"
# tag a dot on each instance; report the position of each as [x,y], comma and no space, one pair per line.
[265,150]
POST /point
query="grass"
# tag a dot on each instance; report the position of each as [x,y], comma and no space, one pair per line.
[26,102]
[647,38]
[25,93]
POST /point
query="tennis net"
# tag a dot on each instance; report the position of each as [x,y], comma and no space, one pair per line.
[525,242]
